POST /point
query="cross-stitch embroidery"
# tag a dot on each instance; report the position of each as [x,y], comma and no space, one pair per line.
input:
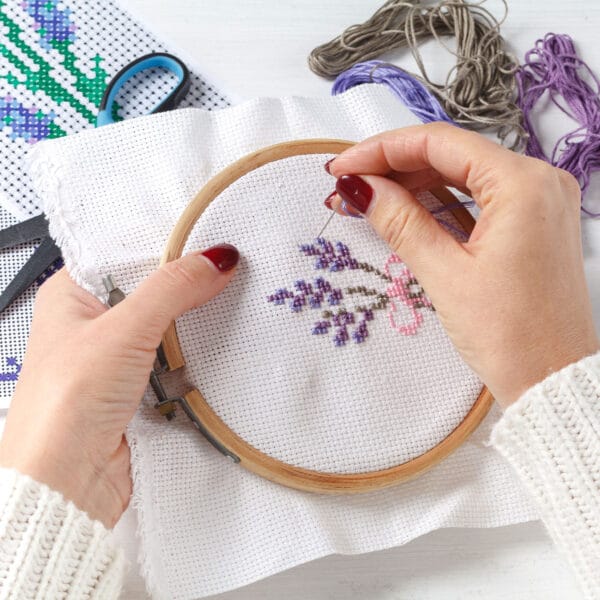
[13,373]
[35,71]
[341,322]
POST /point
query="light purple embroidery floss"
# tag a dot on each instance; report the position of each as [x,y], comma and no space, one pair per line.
[553,66]
[409,90]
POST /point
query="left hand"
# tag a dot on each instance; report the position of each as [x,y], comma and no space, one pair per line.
[84,374]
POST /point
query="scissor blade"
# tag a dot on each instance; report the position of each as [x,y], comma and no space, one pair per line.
[45,254]
[26,231]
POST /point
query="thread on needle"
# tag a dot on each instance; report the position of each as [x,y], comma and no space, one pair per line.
[326,224]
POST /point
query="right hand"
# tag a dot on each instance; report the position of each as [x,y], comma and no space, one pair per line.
[513,298]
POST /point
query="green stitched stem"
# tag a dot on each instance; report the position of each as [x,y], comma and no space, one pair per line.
[55,131]
[93,88]
[56,91]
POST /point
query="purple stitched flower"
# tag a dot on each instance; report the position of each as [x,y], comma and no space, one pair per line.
[13,374]
[280,296]
[321,327]
[25,122]
[335,258]
[335,297]
[51,21]
[311,294]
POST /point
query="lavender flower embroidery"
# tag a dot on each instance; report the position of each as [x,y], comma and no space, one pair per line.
[26,122]
[51,20]
[341,322]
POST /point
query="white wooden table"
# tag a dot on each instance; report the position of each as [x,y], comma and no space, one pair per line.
[259,48]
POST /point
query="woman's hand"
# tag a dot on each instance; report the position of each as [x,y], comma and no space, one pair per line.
[84,373]
[513,299]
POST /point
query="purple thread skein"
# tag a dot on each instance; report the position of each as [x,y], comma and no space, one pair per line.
[411,91]
[553,66]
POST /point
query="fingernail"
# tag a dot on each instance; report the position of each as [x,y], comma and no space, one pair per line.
[327,165]
[348,211]
[329,199]
[355,191]
[223,256]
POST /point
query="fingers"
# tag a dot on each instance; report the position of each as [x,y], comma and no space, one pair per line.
[463,158]
[173,289]
[400,219]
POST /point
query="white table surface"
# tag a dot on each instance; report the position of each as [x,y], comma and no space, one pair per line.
[259,48]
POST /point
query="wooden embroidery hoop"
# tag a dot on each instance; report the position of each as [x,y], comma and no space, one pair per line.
[215,429]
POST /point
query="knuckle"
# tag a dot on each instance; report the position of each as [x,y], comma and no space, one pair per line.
[177,273]
[570,186]
[395,229]
[540,171]
[547,181]
[535,178]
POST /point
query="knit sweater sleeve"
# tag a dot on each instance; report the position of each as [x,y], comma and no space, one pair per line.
[51,549]
[551,436]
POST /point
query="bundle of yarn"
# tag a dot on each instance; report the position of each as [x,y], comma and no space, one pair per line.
[486,89]
[479,91]
[553,70]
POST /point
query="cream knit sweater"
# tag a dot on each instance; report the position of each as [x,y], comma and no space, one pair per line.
[51,550]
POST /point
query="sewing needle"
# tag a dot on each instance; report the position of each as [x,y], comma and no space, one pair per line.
[327,223]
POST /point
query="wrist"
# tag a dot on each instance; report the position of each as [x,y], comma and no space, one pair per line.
[546,364]
[62,464]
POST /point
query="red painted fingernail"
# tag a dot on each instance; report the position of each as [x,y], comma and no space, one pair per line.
[328,165]
[328,200]
[223,256]
[355,191]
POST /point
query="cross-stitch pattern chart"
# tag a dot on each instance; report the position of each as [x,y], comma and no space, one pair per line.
[56,58]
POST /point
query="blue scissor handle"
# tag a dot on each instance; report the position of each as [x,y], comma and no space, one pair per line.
[149,61]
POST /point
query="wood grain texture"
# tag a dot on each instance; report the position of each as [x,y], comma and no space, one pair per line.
[250,457]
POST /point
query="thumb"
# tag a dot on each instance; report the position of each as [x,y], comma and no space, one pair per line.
[171,290]
[410,230]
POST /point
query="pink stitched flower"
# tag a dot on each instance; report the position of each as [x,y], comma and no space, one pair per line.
[407,290]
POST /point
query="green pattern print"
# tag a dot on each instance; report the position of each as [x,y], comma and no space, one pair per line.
[54,31]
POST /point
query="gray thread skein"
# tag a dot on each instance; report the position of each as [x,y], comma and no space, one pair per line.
[479,91]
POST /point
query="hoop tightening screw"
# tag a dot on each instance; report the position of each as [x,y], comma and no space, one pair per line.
[165,405]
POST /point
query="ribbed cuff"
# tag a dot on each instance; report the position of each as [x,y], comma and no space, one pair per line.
[51,549]
[551,436]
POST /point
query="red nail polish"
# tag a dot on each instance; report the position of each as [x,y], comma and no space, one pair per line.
[328,200]
[223,256]
[327,164]
[355,191]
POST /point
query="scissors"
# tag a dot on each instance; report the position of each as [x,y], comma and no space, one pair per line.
[47,253]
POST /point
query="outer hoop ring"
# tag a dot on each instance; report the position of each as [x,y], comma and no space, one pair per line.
[249,457]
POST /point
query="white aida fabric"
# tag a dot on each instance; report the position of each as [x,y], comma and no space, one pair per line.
[551,436]
[51,549]
[311,354]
